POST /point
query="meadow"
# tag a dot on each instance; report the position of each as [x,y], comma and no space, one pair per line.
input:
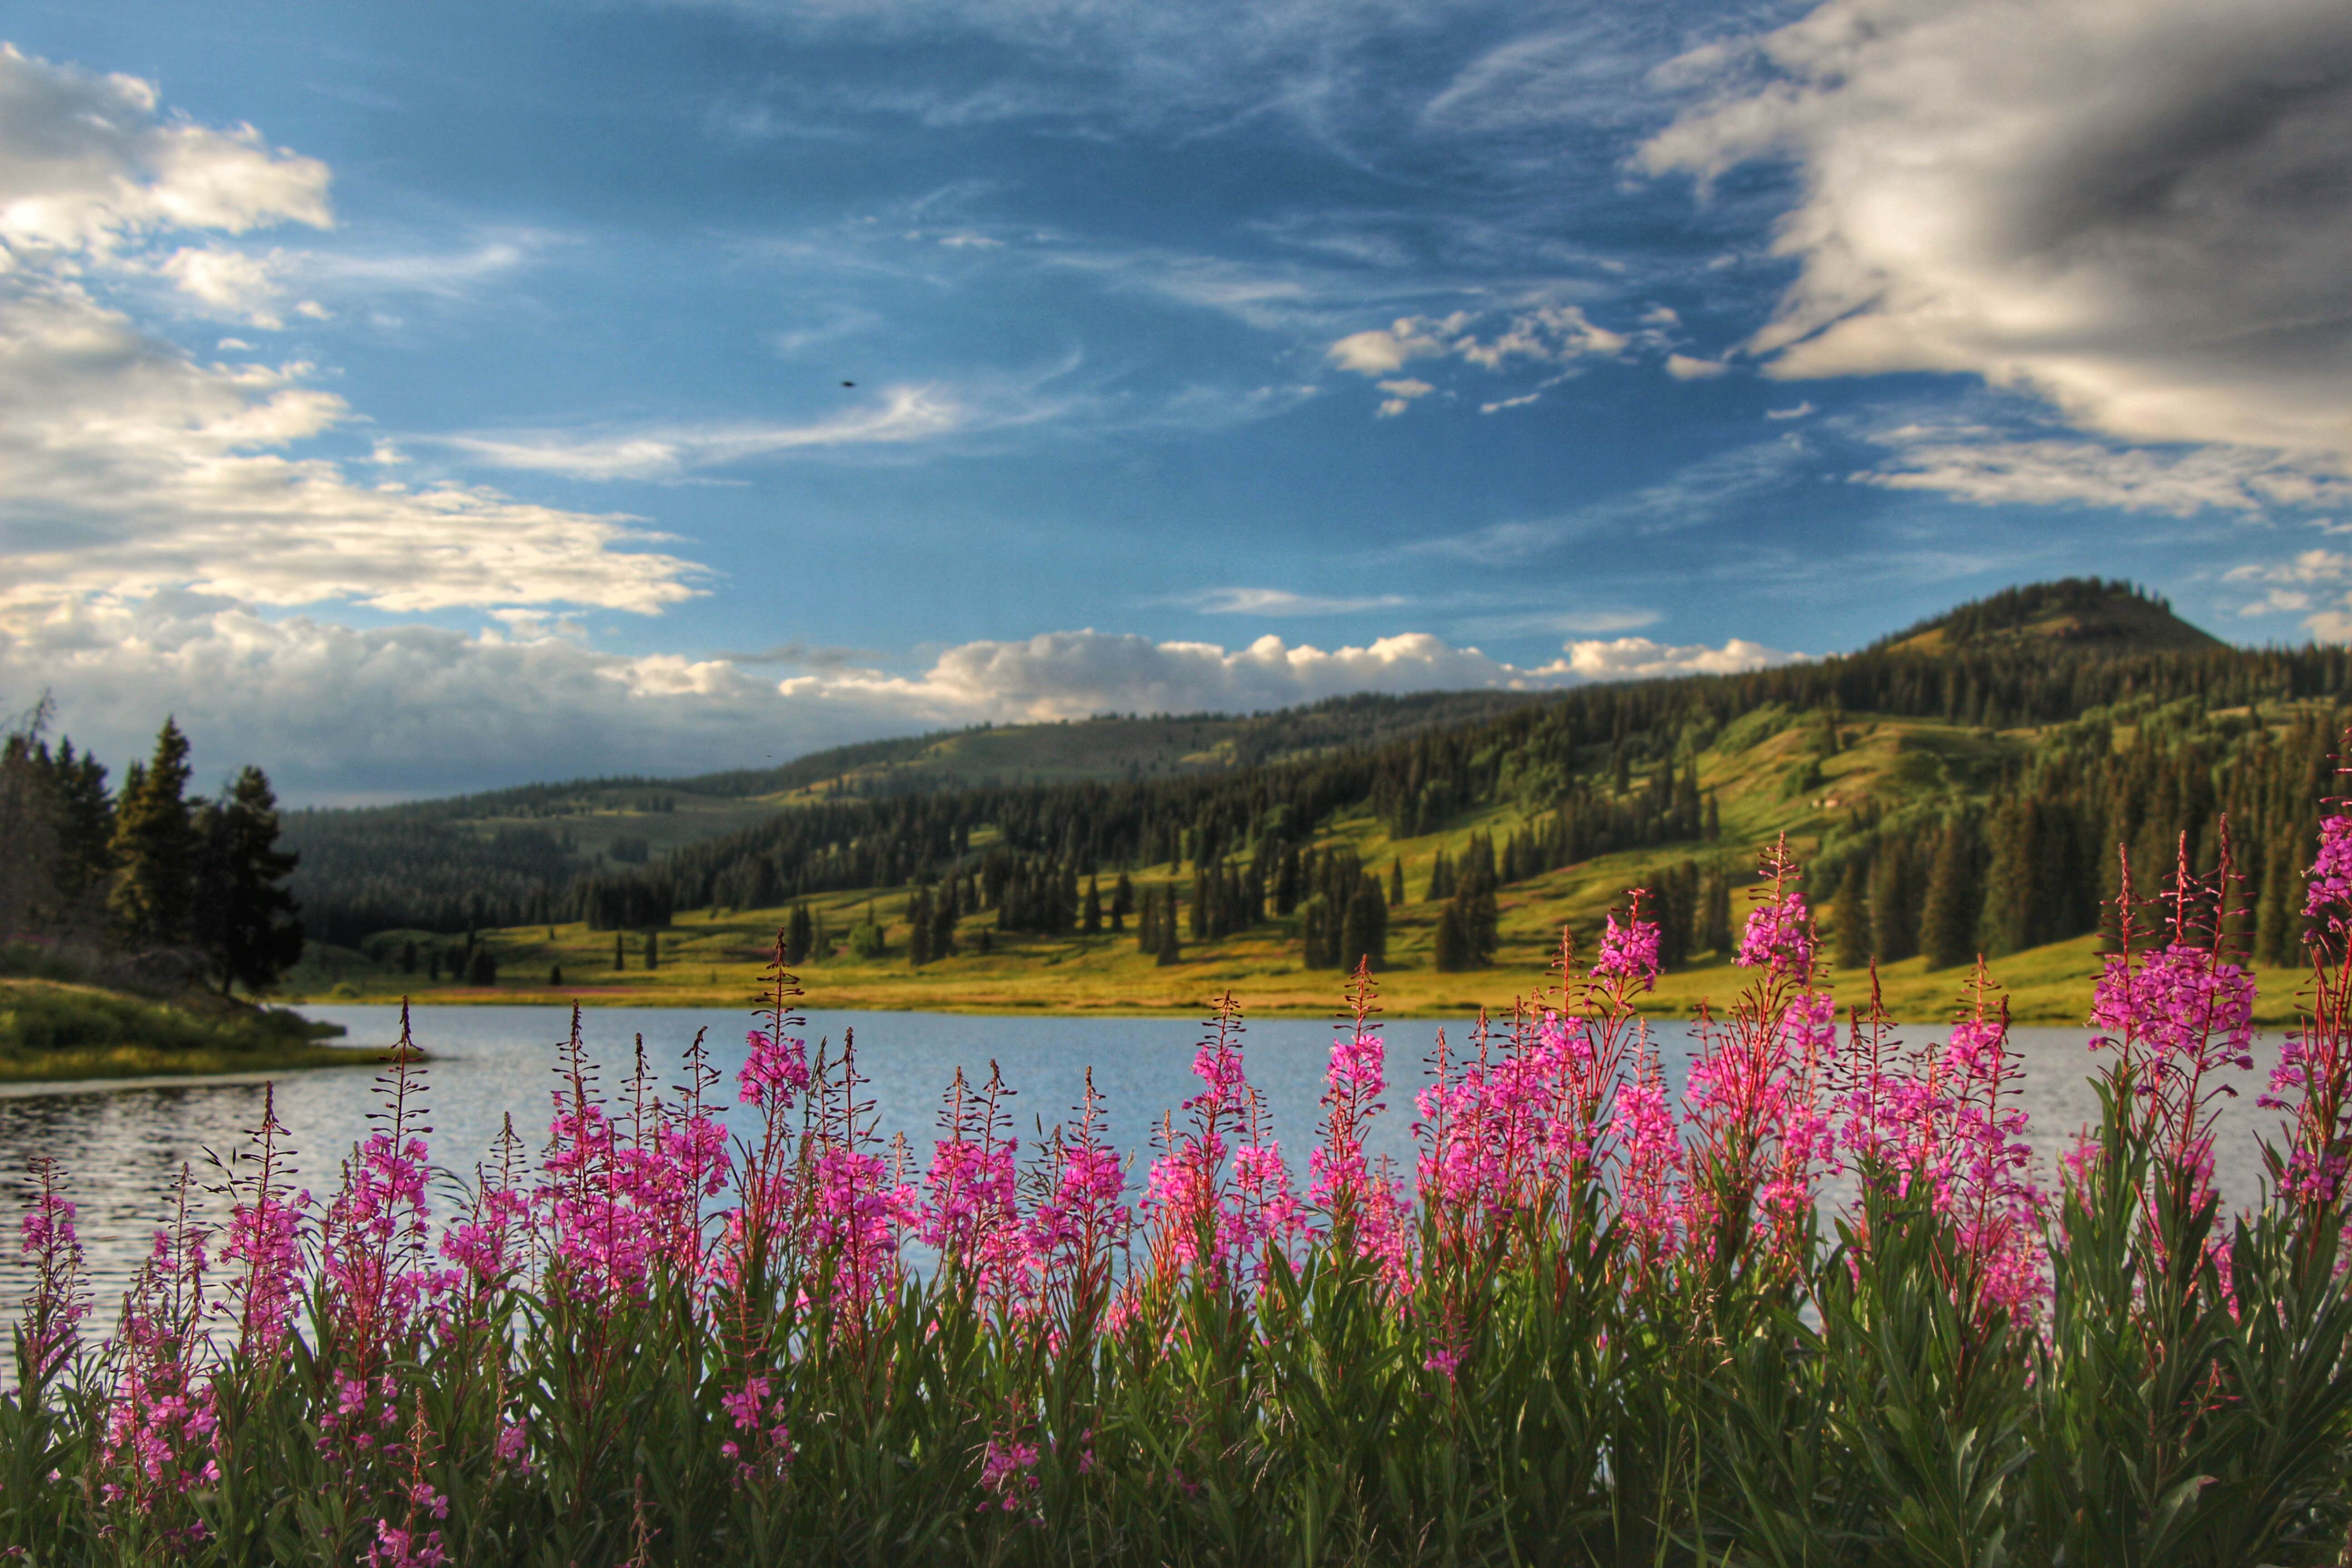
[1590,1324]
[714,957]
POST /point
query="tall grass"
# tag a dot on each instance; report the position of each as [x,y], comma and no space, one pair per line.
[1596,1322]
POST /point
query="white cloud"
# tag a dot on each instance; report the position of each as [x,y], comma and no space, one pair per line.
[2135,210]
[1282,602]
[1976,466]
[88,162]
[1639,658]
[336,711]
[905,414]
[128,469]
[1799,412]
[1683,367]
[1547,334]
[1501,403]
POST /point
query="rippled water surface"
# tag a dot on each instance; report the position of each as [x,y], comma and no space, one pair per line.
[124,1143]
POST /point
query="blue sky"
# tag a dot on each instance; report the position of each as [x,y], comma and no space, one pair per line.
[425,396]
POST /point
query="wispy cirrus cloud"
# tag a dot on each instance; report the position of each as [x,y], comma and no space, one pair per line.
[1283,602]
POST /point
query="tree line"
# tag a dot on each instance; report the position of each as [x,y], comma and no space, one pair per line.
[175,884]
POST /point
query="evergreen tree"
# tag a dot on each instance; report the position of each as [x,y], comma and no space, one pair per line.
[653,950]
[1364,927]
[484,969]
[1122,902]
[919,928]
[1147,923]
[1894,926]
[944,920]
[2007,923]
[619,951]
[155,849]
[1717,937]
[1091,920]
[1948,925]
[1454,954]
[1475,913]
[1396,882]
[1171,947]
[1850,915]
[408,958]
[799,935]
[555,974]
[246,923]
[1711,826]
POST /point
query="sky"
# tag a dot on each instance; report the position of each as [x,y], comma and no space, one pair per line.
[426,397]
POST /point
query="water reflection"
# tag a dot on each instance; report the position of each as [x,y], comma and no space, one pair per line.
[125,1146]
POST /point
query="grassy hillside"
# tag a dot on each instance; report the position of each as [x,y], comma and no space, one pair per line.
[56,1031]
[1768,771]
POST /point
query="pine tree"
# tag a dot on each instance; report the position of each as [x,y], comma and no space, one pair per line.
[1171,947]
[1711,826]
[1147,923]
[1893,928]
[555,974]
[1364,927]
[653,950]
[1122,902]
[483,970]
[1717,937]
[1947,924]
[1453,954]
[1090,922]
[799,936]
[619,951]
[155,848]
[246,923]
[2006,923]
[1850,915]
[1396,883]
[945,915]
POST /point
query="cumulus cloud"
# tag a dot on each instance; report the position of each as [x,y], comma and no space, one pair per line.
[128,469]
[125,467]
[1548,334]
[2138,211]
[1974,465]
[1639,658]
[88,162]
[337,711]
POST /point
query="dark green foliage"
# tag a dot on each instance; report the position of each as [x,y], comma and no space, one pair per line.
[155,846]
[482,970]
[246,924]
[1850,916]
[1948,921]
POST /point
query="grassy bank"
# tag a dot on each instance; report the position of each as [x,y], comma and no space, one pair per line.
[55,1031]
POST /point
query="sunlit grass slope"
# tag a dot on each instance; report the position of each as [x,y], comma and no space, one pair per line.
[1768,771]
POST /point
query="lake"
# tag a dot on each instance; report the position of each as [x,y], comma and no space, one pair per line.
[123,1143]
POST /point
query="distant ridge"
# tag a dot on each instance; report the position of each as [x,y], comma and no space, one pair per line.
[2088,613]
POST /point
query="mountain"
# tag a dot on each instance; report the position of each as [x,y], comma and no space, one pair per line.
[1956,705]
[2076,612]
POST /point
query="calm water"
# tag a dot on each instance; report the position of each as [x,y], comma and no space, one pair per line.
[124,1143]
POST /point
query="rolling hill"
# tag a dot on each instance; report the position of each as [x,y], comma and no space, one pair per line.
[2009,744]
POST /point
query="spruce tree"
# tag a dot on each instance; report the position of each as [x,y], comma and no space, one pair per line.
[1947,924]
[1090,920]
[1452,952]
[1122,902]
[154,849]
[1396,883]
[2006,922]
[619,951]
[1850,915]
[246,923]
[653,950]
[1364,927]
[1171,947]
[1894,925]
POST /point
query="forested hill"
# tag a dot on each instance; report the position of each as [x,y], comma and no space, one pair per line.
[1586,772]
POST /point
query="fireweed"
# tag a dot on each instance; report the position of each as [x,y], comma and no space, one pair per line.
[1595,1321]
